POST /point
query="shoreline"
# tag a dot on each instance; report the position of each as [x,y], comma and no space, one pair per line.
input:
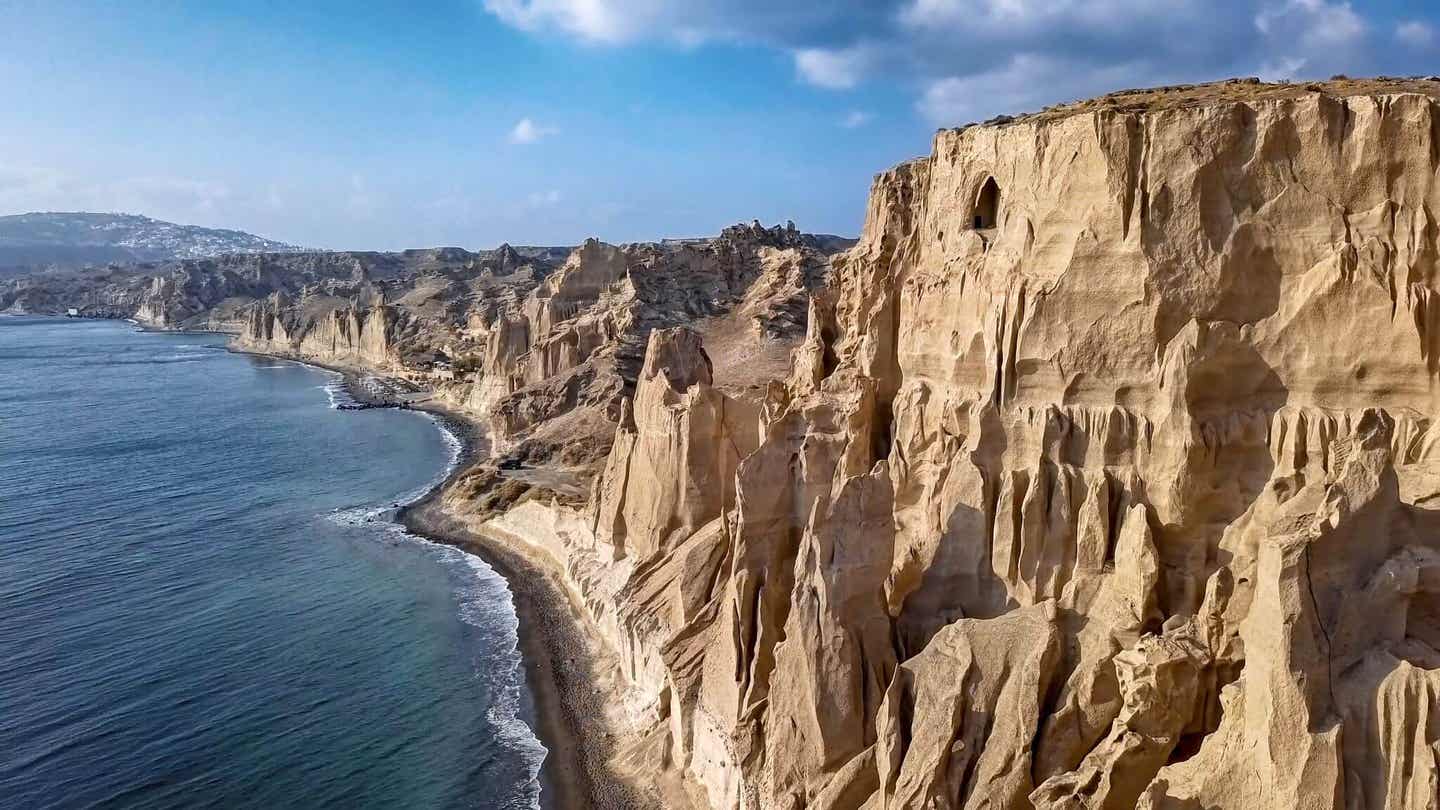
[563,667]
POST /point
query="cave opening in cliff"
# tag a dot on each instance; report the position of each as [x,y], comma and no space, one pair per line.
[987,205]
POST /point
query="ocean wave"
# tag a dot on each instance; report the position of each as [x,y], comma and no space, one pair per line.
[487,604]
[336,391]
[369,514]
[362,515]
[453,446]
[156,360]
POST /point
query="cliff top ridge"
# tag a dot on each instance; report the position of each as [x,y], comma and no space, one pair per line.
[1179,96]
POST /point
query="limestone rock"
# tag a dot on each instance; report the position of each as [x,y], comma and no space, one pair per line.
[1106,472]
[672,467]
[577,340]
[959,716]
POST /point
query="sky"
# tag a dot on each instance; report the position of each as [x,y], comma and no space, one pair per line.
[388,124]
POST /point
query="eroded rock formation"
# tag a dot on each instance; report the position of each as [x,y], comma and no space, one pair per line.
[577,341]
[341,333]
[1107,474]
[546,353]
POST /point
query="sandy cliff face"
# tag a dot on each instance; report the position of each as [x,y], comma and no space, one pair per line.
[215,293]
[327,331]
[557,363]
[397,313]
[1107,475]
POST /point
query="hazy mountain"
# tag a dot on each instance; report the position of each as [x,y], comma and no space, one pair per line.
[72,239]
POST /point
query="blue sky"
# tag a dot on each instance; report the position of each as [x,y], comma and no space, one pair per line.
[384,125]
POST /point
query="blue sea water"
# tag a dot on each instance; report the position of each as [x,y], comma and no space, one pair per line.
[203,602]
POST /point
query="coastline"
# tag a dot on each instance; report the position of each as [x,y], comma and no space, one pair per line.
[565,667]
[562,667]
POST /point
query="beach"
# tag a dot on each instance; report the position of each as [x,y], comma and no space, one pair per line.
[563,667]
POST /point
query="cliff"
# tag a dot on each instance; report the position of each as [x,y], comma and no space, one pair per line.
[557,364]
[1105,475]
[326,330]
[216,293]
[541,344]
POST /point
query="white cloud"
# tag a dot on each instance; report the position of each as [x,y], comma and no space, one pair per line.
[594,20]
[1283,69]
[29,180]
[544,199]
[974,58]
[1415,33]
[687,24]
[833,69]
[1026,82]
[1310,39]
[1012,18]
[527,131]
[1317,23]
[856,119]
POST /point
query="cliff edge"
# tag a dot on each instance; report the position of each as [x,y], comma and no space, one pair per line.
[1106,475]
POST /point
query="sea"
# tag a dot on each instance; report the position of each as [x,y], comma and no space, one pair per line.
[205,601]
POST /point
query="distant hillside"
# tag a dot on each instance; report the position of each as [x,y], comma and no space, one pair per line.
[76,239]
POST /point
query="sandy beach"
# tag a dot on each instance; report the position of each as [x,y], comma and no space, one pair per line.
[560,664]
[564,668]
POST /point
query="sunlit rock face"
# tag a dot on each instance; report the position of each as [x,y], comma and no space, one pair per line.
[563,358]
[1106,475]
[334,333]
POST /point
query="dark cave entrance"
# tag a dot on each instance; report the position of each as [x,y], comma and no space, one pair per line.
[987,206]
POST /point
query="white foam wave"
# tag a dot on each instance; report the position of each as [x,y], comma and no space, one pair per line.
[362,515]
[336,392]
[485,603]
[453,447]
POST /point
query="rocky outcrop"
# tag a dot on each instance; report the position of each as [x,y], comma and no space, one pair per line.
[438,284]
[327,331]
[573,348]
[215,293]
[542,345]
[1106,475]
